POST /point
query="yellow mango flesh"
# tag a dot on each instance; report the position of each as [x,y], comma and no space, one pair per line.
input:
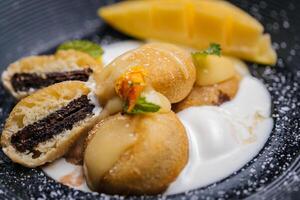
[213,69]
[194,23]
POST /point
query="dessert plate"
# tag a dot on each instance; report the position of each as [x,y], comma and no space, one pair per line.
[37,27]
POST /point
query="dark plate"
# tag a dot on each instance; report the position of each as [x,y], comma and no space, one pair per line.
[33,27]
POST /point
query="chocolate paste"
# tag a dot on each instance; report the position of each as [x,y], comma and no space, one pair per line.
[55,123]
[23,82]
[222,98]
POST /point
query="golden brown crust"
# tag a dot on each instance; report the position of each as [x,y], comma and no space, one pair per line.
[38,106]
[170,70]
[174,80]
[63,60]
[153,162]
[209,95]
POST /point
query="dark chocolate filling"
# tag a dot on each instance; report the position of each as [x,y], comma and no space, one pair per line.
[23,82]
[222,98]
[64,119]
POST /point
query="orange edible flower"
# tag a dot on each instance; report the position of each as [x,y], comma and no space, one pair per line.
[130,85]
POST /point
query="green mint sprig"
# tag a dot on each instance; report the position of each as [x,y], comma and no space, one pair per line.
[213,49]
[86,46]
[142,106]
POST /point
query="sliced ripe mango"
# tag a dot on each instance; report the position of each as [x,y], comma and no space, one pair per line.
[194,23]
[212,69]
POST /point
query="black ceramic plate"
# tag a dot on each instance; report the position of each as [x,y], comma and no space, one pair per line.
[35,27]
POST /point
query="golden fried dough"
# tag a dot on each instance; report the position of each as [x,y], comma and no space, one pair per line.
[44,125]
[209,95]
[140,154]
[38,67]
[170,71]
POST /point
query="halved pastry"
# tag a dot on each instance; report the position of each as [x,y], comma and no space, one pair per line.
[135,154]
[215,94]
[25,76]
[168,68]
[217,79]
[44,125]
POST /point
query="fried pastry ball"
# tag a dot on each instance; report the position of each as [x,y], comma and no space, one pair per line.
[29,74]
[169,69]
[209,95]
[135,154]
[44,125]
[134,97]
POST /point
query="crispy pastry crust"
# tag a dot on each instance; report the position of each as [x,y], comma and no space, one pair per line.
[61,61]
[170,70]
[37,106]
[154,160]
[209,95]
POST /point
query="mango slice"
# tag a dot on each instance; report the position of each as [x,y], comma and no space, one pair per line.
[193,23]
[213,69]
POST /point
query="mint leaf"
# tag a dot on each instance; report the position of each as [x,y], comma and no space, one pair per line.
[213,49]
[142,106]
[86,46]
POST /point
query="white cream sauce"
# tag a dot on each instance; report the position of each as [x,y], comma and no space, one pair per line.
[222,139]
[67,173]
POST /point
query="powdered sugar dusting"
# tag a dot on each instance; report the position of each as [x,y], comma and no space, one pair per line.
[270,175]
